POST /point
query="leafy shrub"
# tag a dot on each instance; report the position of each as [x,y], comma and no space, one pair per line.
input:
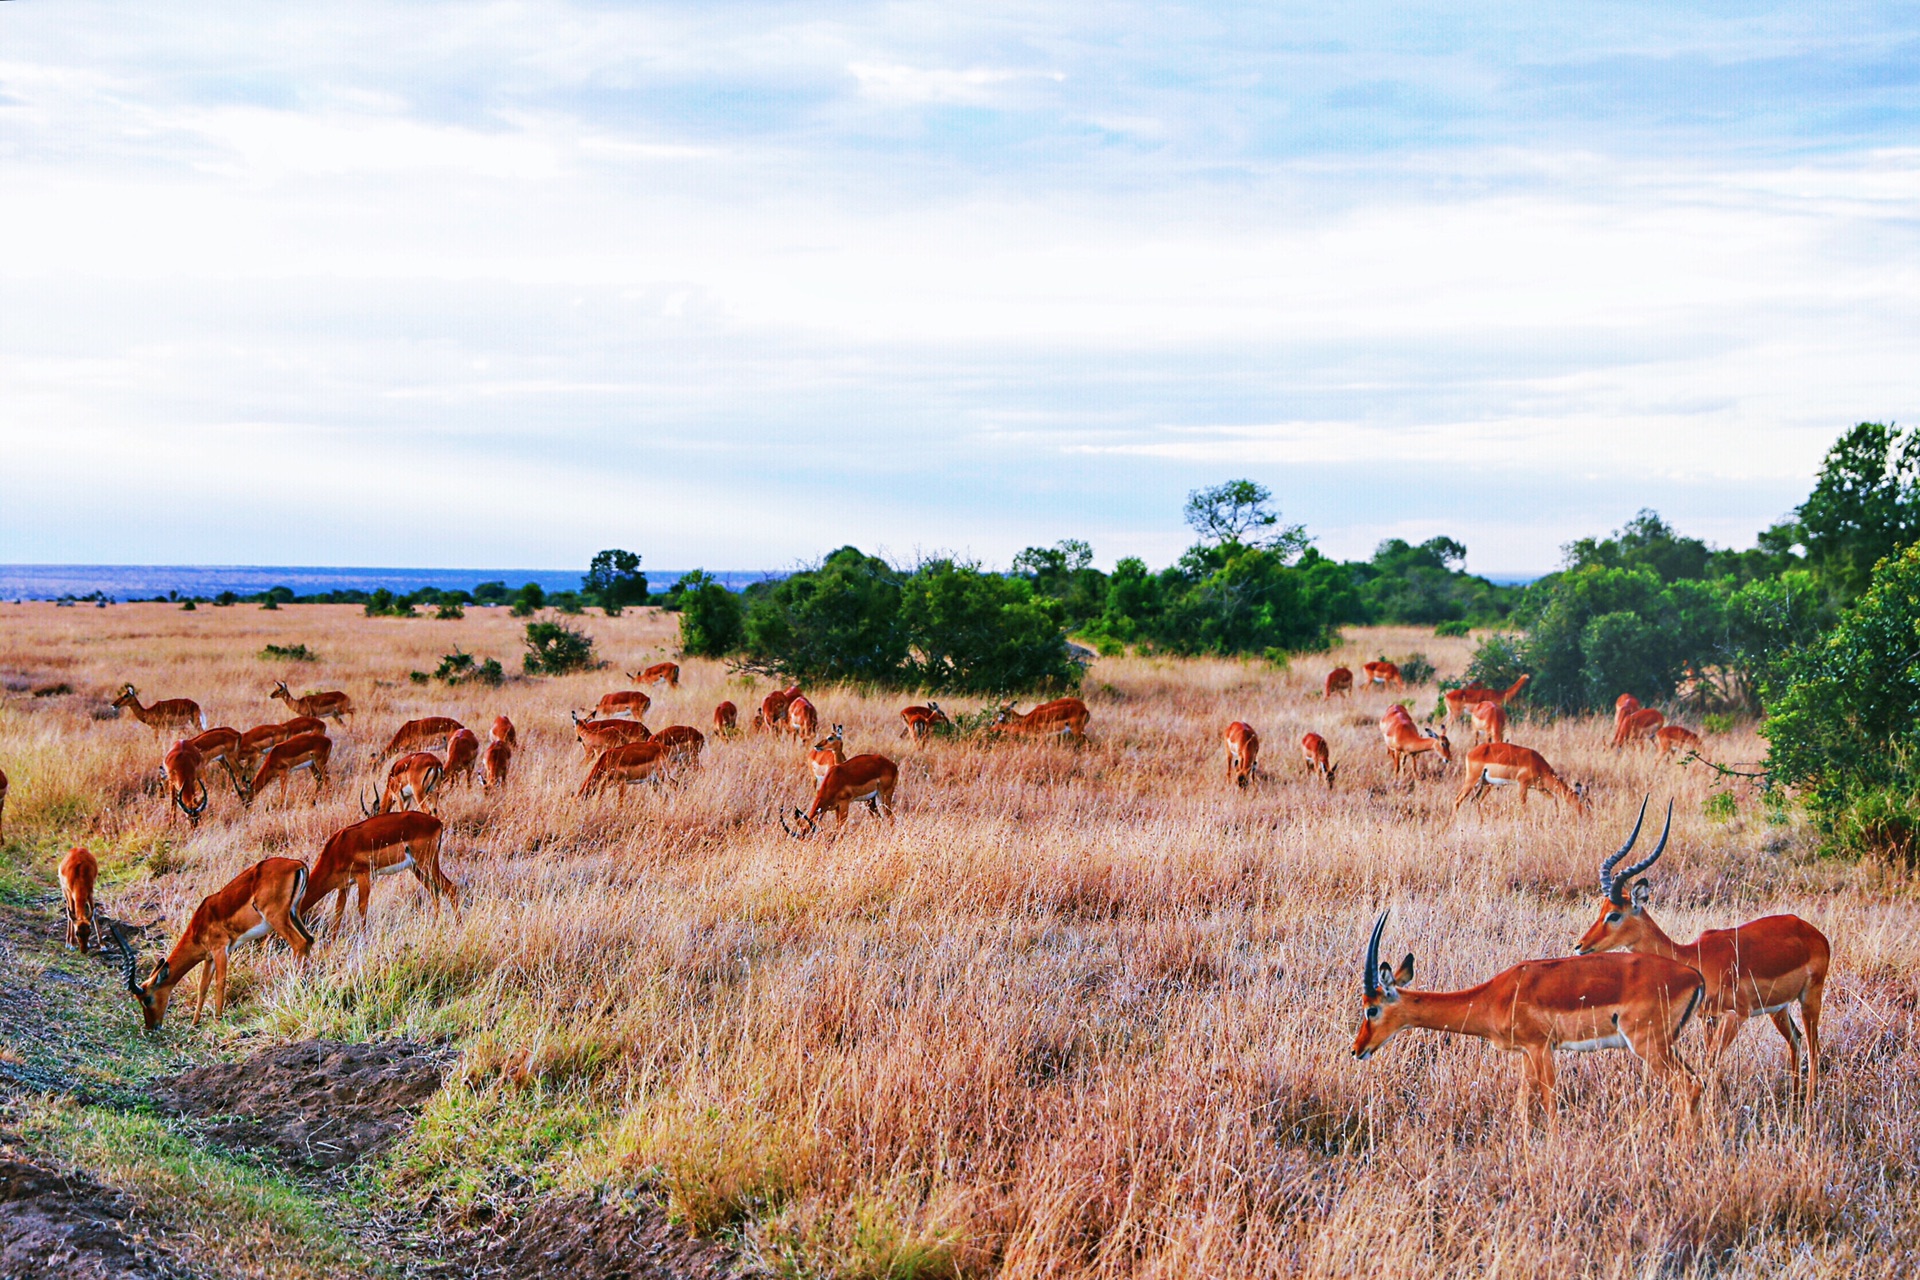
[712,618]
[1720,806]
[1415,669]
[460,668]
[289,653]
[449,611]
[554,649]
[840,621]
[529,600]
[1497,661]
[1454,628]
[384,604]
[189,606]
[614,581]
[491,593]
[976,632]
[225,600]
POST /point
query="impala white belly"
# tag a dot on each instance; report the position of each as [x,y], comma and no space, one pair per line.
[1771,1009]
[260,930]
[394,869]
[1493,781]
[1615,1041]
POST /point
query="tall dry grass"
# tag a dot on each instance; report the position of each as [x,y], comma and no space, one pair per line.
[1080,1012]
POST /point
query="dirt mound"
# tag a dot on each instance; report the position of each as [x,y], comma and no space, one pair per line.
[579,1237]
[67,1225]
[319,1104]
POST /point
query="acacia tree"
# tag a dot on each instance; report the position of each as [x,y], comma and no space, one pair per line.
[614,580]
[1229,514]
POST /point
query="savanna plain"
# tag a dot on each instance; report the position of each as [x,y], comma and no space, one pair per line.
[1080,1011]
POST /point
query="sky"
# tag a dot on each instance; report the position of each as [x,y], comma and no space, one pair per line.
[733,284]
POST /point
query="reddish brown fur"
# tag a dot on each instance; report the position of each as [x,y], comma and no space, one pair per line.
[411,782]
[503,731]
[178,715]
[78,871]
[682,741]
[667,673]
[1339,683]
[330,704]
[627,702]
[1672,738]
[427,734]
[1490,722]
[494,763]
[263,738]
[1460,702]
[1243,753]
[304,751]
[1313,748]
[259,899]
[726,719]
[1638,726]
[463,752]
[868,778]
[921,721]
[628,763]
[1502,763]
[823,755]
[802,720]
[1405,741]
[186,779]
[353,855]
[773,711]
[1061,716]
[1383,673]
[596,736]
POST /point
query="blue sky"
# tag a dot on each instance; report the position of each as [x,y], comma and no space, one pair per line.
[733,284]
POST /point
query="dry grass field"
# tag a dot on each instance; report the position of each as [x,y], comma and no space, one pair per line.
[1079,1012]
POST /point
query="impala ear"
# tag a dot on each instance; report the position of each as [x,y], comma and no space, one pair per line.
[1641,893]
[1404,974]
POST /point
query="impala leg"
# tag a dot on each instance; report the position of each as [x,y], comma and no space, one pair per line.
[1783,1021]
[1540,1075]
[1810,1020]
[339,908]
[363,885]
[219,984]
[1726,1029]
[206,979]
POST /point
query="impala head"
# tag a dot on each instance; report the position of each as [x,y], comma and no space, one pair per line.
[128,694]
[934,713]
[807,826]
[1332,772]
[151,994]
[1381,1016]
[1444,747]
[1623,917]
[281,691]
[1006,714]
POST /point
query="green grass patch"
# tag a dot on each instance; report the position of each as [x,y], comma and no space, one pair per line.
[487,1144]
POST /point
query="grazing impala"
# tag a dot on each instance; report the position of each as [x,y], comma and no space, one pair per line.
[802,720]
[922,721]
[682,741]
[1490,722]
[184,769]
[1761,967]
[1623,706]
[1672,738]
[503,731]
[264,898]
[1638,726]
[667,673]
[463,752]
[217,746]
[1243,753]
[1339,683]
[1501,764]
[632,762]
[826,753]
[328,705]
[1383,673]
[622,702]
[1314,748]
[1461,702]
[385,845]
[772,715]
[1405,741]
[260,739]
[868,779]
[411,782]
[1538,1007]
[726,720]
[78,871]
[174,715]
[494,763]
[1066,716]
[306,751]
[595,736]
[427,734]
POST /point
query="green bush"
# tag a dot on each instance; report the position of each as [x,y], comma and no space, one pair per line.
[449,611]
[712,618]
[1497,661]
[289,653]
[1457,627]
[839,622]
[614,581]
[530,599]
[555,649]
[975,632]
[1415,669]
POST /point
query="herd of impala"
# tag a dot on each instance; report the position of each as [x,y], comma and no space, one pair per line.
[1628,985]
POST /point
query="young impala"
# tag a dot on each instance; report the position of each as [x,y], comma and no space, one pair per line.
[923,721]
[185,779]
[176,715]
[826,753]
[428,734]
[411,782]
[78,871]
[1383,673]
[1673,739]
[1243,753]
[1638,726]
[595,736]
[1461,702]
[385,845]
[1761,967]
[1313,748]
[1407,741]
[1501,764]
[867,779]
[1490,722]
[622,765]
[329,705]
[667,673]
[463,752]
[802,720]
[1540,1007]
[1065,717]
[726,720]
[264,898]
[1339,683]
[622,702]
[305,751]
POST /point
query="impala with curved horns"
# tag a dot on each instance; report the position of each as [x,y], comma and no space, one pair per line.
[1243,753]
[826,753]
[385,845]
[184,769]
[329,704]
[264,898]
[1501,764]
[667,673]
[1638,726]
[306,751]
[1762,967]
[868,779]
[1063,717]
[923,721]
[595,736]
[78,872]
[623,765]
[430,733]
[1461,702]
[178,715]
[726,719]
[1339,683]
[1313,748]
[1407,741]
[411,782]
[1540,1007]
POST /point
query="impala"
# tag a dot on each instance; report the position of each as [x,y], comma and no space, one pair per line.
[826,753]
[772,715]
[183,768]
[1490,722]
[1383,673]
[1638,726]
[802,720]
[305,751]
[1623,706]
[263,738]
[629,763]
[922,721]
[78,871]
[595,736]
[1538,1007]
[1501,764]
[1339,683]
[868,779]
[385,844]
[259,900]
[411,782]
[494,762]
[1314,748]
[463,752]
[622,702]
[682,741]
[503,731]
[428,734]
[1761,967]
[1405,741]
[667,673]
[1461,702]
[1672,738]
[1066,716]
[726,720]
[330,704]
[217,746]
[177,715]
[1243,753]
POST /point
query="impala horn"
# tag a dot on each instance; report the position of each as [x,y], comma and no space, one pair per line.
[366,812]
[193,813]
[1612,885]
[1370,968]
[133,983]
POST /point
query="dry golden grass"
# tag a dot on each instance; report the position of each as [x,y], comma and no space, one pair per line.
[1080,1012]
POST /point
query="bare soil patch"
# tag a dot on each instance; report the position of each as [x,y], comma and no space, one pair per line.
[581,1237]
[55,1224]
